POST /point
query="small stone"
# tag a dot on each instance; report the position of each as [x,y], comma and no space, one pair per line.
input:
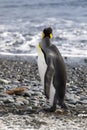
[30,110]
[3,81]
[26,102]
[1,88]
[83,102]
[27,94]
[83,98]
[22,101]
[18,103]
[72,105]
[8,100]
[3,95]
[71,98]
[1,103]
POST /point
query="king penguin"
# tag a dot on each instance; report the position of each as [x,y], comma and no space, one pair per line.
[52,71]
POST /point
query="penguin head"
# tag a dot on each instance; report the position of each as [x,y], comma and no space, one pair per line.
[47,32]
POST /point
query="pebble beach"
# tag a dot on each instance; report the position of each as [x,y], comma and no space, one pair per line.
[18,110]
[21,95]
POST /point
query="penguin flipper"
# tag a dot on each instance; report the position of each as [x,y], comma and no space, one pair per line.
[48,77]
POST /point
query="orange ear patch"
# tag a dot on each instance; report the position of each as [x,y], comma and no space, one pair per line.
[43,35]
[51,35]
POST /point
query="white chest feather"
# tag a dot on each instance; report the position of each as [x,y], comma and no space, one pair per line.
[42,66]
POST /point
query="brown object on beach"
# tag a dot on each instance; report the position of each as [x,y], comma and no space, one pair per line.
[16,90]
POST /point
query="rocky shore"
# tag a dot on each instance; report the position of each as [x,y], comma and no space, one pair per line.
[21,96]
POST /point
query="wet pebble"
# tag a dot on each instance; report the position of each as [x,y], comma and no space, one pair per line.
[4,81]
[22,101]
[1,88]
[7,99]
[83,101]
[71,98]
[27,94]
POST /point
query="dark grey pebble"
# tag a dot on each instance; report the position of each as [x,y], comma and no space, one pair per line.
[27,94]
[82,101]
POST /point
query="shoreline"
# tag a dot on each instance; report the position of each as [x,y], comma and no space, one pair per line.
[72,60]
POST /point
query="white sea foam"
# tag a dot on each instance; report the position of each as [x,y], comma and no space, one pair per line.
[69,36]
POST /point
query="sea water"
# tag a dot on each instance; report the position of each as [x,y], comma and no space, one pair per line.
[22,22]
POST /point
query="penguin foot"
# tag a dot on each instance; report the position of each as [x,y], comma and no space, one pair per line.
[46,109]
[64,107]
[51,109]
